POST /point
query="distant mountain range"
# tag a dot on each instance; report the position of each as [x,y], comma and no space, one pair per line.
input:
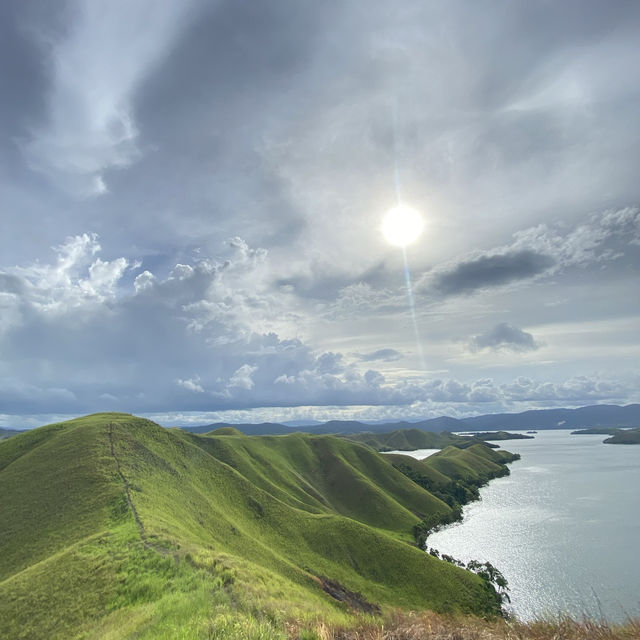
[7,433]
[601,415]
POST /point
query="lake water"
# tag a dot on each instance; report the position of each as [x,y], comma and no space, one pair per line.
[419,454]
[564,527]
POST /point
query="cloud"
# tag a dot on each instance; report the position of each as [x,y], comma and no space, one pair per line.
[241,378]
[76,278]
[577,389]
[386,355]
[208,317]
[504,336]
[486,271]
[538,252]
[96,68]
[151,337]
[144,280]
[574,391]
[191,384]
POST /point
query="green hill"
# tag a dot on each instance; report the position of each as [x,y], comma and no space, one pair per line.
[114,527]
[454,476]
[411,439]
[225,431]
[408,440]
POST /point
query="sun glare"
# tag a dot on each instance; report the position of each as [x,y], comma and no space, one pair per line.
[402,225]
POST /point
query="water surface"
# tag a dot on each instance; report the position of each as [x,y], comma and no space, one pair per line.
[564,527]
[419,454]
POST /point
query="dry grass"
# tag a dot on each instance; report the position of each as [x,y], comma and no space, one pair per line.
[431,626]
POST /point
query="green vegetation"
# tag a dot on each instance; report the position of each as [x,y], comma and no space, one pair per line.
[485,570]
[407,440]
[608,431]
[411,439]
[624,436]
[113,527]
[500,435]
[618,435]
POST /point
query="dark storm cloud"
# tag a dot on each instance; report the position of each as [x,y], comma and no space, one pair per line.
[505,336]
[491,271]
[183,342]
[23,74]
[608,238]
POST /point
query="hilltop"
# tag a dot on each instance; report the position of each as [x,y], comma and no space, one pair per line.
[114,526]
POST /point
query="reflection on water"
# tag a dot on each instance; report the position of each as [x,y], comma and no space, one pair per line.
[563,528]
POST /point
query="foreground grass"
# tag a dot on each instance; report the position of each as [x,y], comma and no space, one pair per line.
[433,626]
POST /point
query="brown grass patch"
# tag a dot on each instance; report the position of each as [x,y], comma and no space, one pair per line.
[432,626]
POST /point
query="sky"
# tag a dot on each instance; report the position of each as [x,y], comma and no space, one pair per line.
[191,196]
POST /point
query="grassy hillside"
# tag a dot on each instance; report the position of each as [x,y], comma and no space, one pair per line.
[114,527]
[409,439]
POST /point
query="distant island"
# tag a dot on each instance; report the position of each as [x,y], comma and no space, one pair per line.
[489,436]
[618,436]
[604,431]
[624,436]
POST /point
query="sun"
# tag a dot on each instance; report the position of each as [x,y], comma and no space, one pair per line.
[402,225]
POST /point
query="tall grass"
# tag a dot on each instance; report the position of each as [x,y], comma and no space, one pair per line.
[433,626]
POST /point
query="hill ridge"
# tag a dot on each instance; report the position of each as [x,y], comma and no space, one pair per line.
[127,491]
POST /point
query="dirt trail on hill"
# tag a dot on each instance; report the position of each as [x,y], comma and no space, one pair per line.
[127,491]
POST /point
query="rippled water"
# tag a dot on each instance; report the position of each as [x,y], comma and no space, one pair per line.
[564,527]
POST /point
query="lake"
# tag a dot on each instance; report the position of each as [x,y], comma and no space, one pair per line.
[564,527]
